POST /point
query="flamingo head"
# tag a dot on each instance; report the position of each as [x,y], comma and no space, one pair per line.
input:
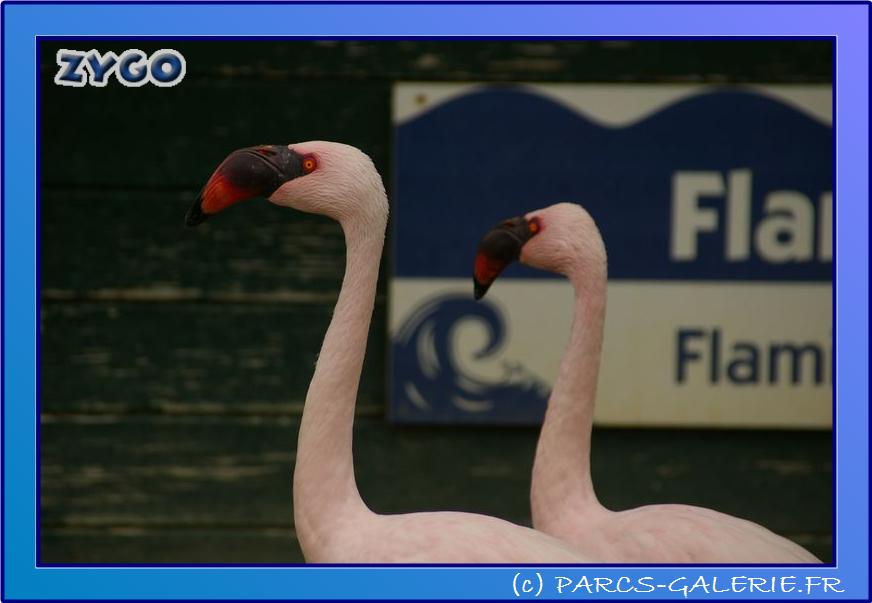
[328,178]
[562,238]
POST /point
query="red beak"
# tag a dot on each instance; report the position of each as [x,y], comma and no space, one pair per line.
[498,248]
[246,173]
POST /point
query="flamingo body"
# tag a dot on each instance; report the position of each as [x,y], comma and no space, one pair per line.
[431,537]
[563,238]
[332,522]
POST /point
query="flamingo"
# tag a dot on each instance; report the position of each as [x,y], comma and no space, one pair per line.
[563,238]
[333,523]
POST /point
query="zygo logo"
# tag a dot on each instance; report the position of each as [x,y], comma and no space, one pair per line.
[133,68]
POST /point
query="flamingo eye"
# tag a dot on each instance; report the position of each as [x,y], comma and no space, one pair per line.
[534,226]
[309,164]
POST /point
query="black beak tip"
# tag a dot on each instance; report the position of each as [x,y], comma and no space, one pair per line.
[479,290]
[195,215]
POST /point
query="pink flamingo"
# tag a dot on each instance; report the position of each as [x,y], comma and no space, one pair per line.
[332,522]
[564,239]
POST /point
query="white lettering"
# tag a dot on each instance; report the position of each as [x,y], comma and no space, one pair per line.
[739,216]
[787,231]
[688,218]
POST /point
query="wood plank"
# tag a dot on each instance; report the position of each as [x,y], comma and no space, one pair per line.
[235,472]
[191,358]
[740,472]
[133,245]
[173,138]
[532,60]
[177,544]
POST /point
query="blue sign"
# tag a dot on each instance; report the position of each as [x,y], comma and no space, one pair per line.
[711,185]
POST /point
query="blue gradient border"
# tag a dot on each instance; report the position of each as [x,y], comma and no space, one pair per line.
[22,579]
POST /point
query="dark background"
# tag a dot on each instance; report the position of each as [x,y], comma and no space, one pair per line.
[174,362]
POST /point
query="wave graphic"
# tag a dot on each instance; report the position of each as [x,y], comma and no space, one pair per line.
[430,385]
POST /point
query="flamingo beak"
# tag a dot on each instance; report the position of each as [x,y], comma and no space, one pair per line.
[245,173]
[498,248]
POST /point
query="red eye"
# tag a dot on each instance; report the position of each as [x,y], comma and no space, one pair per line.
[309,164]
[534,225]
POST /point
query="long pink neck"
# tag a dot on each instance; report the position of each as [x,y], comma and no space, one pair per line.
[561,483]
[324,487]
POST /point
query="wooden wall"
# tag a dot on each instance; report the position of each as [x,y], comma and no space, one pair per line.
[175,362]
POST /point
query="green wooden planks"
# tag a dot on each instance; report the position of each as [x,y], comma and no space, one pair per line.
[233,473]
[190,358]
[178,544]
[173,138]
[104,245]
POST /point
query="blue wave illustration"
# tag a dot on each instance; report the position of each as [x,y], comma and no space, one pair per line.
[430,386]
[503,151]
